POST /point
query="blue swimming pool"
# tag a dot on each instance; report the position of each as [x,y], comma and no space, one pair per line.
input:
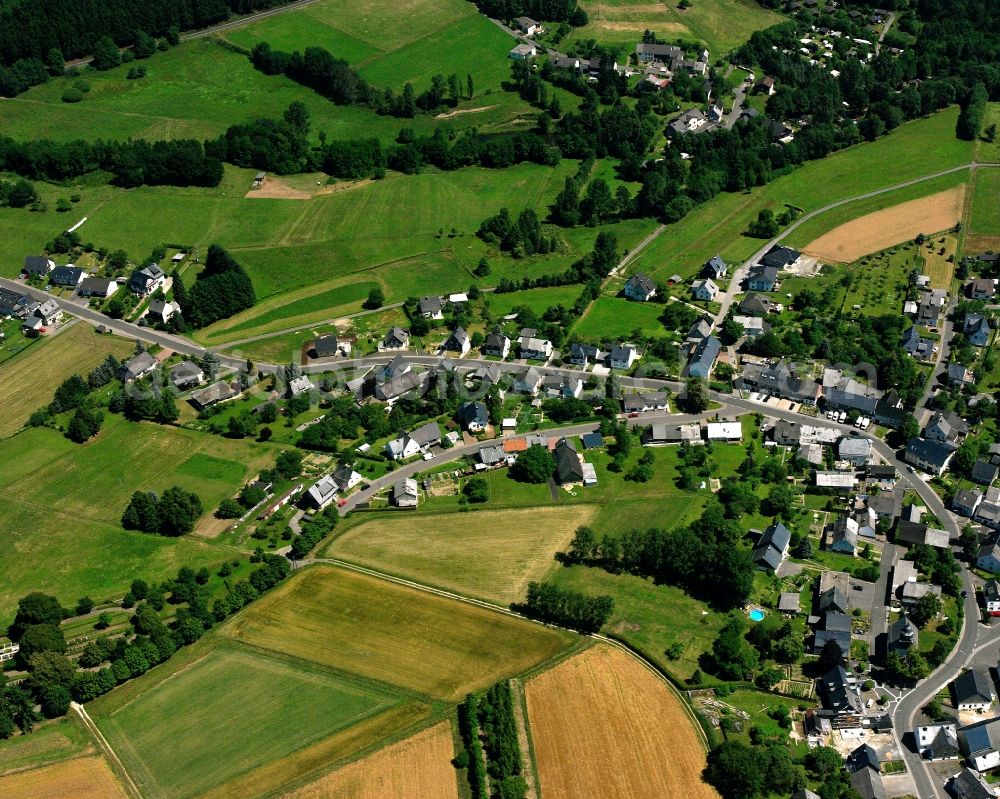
[756,615]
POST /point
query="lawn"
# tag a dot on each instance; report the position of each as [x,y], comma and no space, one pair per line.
[757,704]
[397,635]
[879,282]
[28,380]
[718,225]
[617,318]
[722,25]
[984,217]
[538,300]
[176,731]
[491,555]
[650,617]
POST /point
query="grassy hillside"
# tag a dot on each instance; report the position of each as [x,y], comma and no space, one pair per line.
[916,148]
[60,506]
[719,24]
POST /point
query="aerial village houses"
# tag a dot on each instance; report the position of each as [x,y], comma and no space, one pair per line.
[405,493]
[705,289]
[37,265]
[639,288]
[146,280]
[330,345]
[496,345]
[67,276]
[715,268]
[395,339]
[772,548]
[102,287]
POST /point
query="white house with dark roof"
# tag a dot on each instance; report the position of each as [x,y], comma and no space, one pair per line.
[645,402]
[496,344]
[69,276]
[396,339]
[772,548]
[581,354]
[715,268]
[533,348]
[639,287]
[419,440]
[972,691]
[185,375]
[458,341]
[102,287]
[528,26]
[705,289]
[622,356]
[937,741]
[431,308]
[162,311]
[523,52]
[37,265]
[405,493]
[346,478]
[147,280]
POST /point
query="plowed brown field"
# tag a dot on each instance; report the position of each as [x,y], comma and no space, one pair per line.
[603,725]
[418,766]
[876,231]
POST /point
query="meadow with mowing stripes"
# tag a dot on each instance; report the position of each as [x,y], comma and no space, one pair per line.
[160,725]
[28,381]
[402,636]
[465,552]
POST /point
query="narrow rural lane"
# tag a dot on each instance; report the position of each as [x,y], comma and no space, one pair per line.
[740,274]
[102,743]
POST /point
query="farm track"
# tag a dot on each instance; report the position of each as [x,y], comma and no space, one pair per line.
[102,742]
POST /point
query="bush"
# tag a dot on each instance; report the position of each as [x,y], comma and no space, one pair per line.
[72,95]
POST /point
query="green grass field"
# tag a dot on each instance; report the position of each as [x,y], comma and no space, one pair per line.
[984,217]
[397,635]
[491,555]
[27,381]
[650,617]
[185,732]
[48,743]
[60,506]
[613,317]
[823,223]
[989,152]
[718,225]
[720,24]
[535,299]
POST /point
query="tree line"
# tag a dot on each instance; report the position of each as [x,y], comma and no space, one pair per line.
[565,607]
[53,680]
[172,513]
[33,30]
[335,79]
[222,288]
[704,559]
[500,742]
[180,162]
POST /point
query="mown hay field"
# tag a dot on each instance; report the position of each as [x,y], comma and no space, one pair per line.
[877,231]
[79,778]
[489,554]
[419,766]
[720,24]
[604,725]
[28,381]
[187,728]
[388,632]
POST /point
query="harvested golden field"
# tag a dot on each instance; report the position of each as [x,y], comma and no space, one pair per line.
[603,725]
[492,555]
[80,778]
[881,229]
[418,766]
[433,645]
